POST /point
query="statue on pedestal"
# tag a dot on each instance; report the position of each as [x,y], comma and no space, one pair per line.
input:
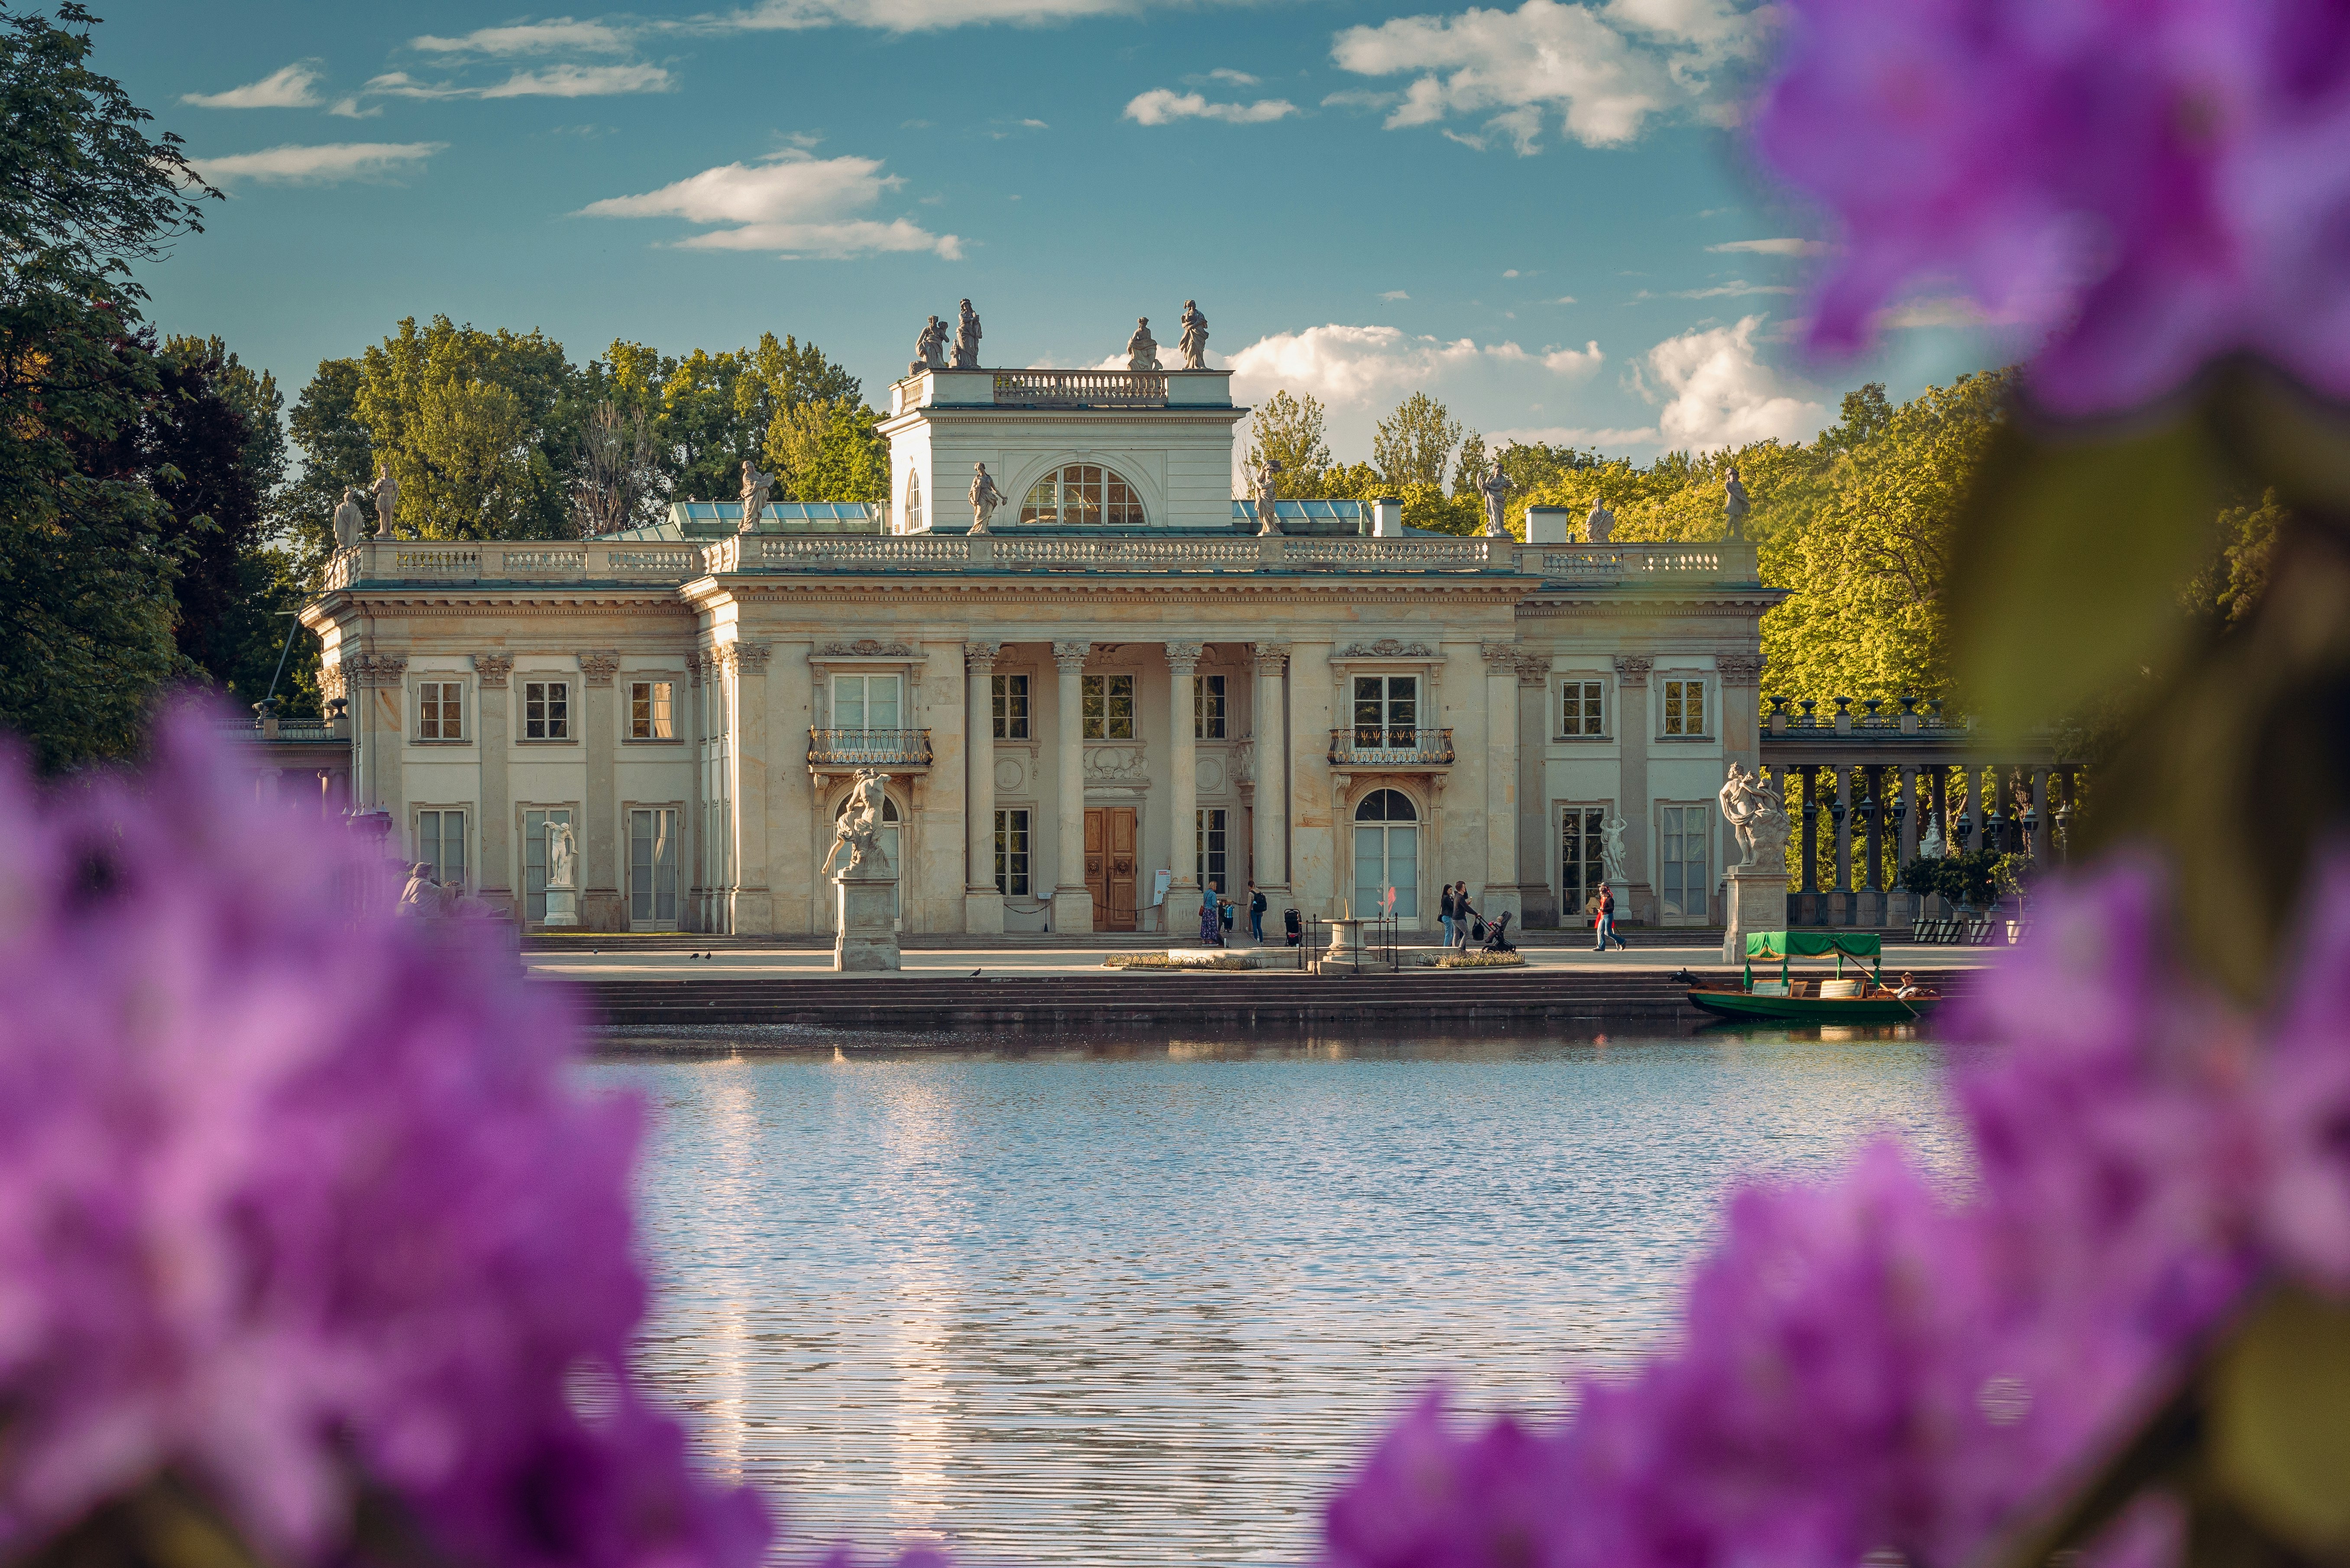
[1611,848]
[1495,488]
[562,856]
[1931,847]
[1194,340]
[1266,485]
[860,829]
[350,523]
[1758,818]
[1142,349]
[757,487]
[966,340]
[1598,522]
[1735,505]
[929,349]
[984,497]
[386,498]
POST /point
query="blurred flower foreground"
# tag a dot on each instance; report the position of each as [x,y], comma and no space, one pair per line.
[308,1246]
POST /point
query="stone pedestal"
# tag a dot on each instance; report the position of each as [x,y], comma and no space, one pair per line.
[865,935]
[562,907]
[1754,899]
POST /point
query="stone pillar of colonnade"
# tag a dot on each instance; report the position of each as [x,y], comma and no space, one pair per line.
[1183,892]
[1811,776]
[385,677]
[982,905]
[1840,810]
[750,901]
[1073,905]
[1633,722]
[1268,812]
[1535,903]
[1500,890]
[2039,844]
[493,875]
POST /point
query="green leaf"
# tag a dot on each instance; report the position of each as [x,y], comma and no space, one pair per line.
[2280,1421]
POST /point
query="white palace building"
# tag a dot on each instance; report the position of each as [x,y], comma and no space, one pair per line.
[1120,688]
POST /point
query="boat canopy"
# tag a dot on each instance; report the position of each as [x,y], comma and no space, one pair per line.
[1813,944]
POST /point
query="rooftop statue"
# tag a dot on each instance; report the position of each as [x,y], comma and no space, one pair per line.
[966,341]
[1265,484]
[1495,488]
[984,497]
[929,349]
[1598,523]
[350,523]
[386,498]
[1735,503]
[1142,349]
[755,489]
[1194,341]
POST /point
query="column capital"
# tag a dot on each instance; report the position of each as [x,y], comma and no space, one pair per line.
[1742,670]
[1071,655]
[493,669]
[979,658]
[1501,658]
[1271,658]
[1182,658]
[746,658]
[1632,668]
[599,665]
[1534,669]
[378,668]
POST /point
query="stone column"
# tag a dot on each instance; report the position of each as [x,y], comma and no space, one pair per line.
[983,905]
[1072,904]
[1501,769]
[1742,710]
[1268,815]
[692,845]
[1632,724]
[2039,843]
[1184,783]
[1534,899]
[494,875]
[386,675]
[1840,794]
[751,900]
[1810,775]
[601,906]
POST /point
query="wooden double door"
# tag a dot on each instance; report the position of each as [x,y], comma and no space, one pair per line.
[1110,861]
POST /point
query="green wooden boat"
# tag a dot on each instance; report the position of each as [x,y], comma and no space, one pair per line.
[1778,1001]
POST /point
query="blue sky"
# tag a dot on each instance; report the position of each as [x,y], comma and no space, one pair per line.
[1536,212]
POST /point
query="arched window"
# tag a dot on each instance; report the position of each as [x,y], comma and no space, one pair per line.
[914,501]
[1083,493]
[1386,853]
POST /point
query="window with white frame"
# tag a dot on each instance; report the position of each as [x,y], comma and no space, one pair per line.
[441,711]
[1109,707]
[651,711]
[1012,851]
[1582,709]
[914,501]
[1208,707]
[1083,493]
[652,866]
[440,844]
[547,711]
[1010,696]
[1685,708]
[1213,844]
[865,702]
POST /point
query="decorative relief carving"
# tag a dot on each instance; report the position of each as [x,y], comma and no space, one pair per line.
[1208,775]
[1501,658]
[979,658]
[1534,669]
[493,669]
[1271,658]
[1071,655]
[378,669]
[1739,668]
[750,657]
[1244,762]
[1632,668]
[330,682]
[1010,775]
[1182,658]
[1119,763]
[598,666]
[1389,647]
[867,648]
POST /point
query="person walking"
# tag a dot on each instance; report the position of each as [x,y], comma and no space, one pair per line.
[1464,916]
[1256,913]
[1211,919]
[1603,930]
[1444,913]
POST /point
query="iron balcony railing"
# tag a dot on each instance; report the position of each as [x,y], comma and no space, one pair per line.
[884,749]
[1374,746]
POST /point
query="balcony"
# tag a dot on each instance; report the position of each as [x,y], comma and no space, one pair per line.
[850,750]
[1371,749]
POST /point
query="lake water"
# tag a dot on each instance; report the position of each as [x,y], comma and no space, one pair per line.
[1143,1301]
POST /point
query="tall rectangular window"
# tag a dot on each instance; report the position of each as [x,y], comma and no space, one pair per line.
[441,711]
[865,702]
[1685,889]
[440,844]
[1684,707]
[1012,851]
[1211,846]
[1387,711]
[650,712]
[1579,709]
[652,866]
[1010,694]
[1583,861]
[1208,707]
[1109,707]
[547,711]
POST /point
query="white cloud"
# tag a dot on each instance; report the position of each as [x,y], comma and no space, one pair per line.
[1605,439]
[1714,392]
[530,38]
[1736,288]
[348,108]
[1605,70]
[318,165]
[1788,247]
[1226,74]
[290,87]
[1563,299]
[791,203]
[1162,107]
[551,81]
[904,16]
[1393,294]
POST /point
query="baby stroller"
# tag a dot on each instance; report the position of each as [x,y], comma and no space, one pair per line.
[1497,935]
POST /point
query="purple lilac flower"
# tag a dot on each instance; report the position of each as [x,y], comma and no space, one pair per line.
[289,1202]
[2149,182]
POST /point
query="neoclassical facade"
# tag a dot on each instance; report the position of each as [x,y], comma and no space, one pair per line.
[1124,686]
